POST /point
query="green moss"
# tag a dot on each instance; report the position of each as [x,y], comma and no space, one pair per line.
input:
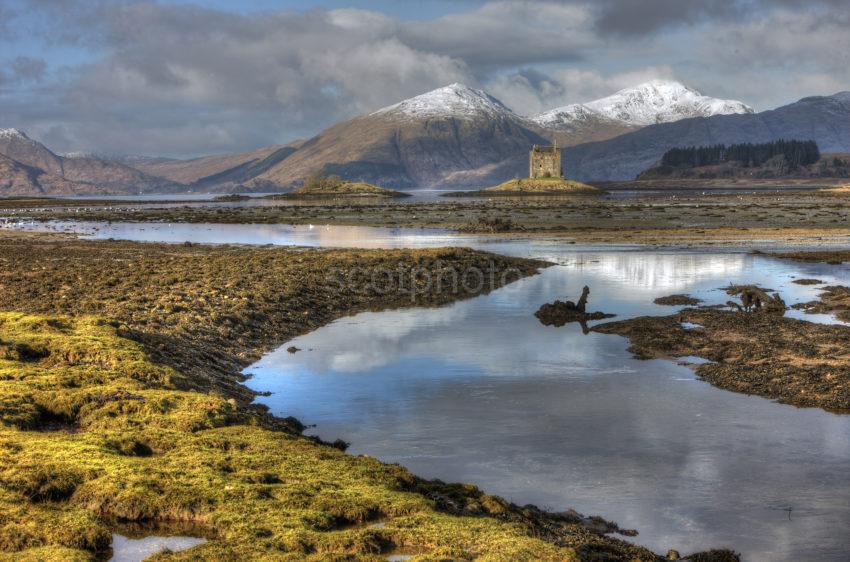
[133,447]
[142,418]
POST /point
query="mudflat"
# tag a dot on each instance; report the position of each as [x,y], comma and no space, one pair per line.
[692,218]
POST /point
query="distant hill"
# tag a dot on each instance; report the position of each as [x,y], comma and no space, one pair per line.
[204,170]
[18,179]
[785,159]
[456,137]
[823,119]
[462,137]
[83,174]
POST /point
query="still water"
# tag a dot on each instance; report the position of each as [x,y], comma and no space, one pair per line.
[126,549]
[480,391]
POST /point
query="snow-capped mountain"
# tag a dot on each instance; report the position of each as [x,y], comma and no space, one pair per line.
[822,119]
[455,100]
[12,133]
[656,101]
[15,144]
[452,135]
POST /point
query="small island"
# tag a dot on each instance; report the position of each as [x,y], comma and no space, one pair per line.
[545,177]
[540,186]
[323,186]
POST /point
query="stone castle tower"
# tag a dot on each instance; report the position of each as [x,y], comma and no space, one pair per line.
[545,162]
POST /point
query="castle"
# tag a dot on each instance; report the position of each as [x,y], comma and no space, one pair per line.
[545,162]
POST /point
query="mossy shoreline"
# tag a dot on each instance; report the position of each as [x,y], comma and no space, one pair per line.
[121,402]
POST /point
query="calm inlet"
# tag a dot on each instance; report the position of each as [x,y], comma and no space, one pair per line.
[481,392]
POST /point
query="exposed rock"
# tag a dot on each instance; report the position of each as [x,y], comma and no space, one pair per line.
[559,313]
[676,300]
[756,299]
[794,361]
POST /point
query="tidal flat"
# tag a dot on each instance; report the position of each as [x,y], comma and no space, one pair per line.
[642,217]
[198,315]
[123,402]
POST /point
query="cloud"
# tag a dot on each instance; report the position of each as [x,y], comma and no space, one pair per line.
[535,92]
[506,33]
[182,79]
[631,18]
[24,69]
[781,57]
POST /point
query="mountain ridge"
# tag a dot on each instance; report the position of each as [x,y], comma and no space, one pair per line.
[820,118]
[648,103]
[84,174]
[459,137]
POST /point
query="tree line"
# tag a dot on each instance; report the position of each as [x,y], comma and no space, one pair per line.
[796,152]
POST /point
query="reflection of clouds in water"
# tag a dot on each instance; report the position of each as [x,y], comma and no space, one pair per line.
[668,271]
[368,340]
[371,340]
[573,420]
[502,323]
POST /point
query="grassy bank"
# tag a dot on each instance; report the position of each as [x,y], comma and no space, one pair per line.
[210,311]
[94,432]
[532,186]
[121,402]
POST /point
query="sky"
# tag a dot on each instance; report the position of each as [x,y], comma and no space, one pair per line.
[192,77]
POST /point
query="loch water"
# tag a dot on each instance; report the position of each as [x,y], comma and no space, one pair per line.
[479,391]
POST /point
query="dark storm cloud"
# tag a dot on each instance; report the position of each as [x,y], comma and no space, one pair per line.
[24,68]
[633,17]
[508,33]
[629,17]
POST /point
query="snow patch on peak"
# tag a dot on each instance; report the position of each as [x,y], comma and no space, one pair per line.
[655,101]
[13,134]
[454,100]
[568,117]
[80,154]
[663,101]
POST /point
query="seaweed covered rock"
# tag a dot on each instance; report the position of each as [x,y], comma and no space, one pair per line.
[756,299]
[559,313]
